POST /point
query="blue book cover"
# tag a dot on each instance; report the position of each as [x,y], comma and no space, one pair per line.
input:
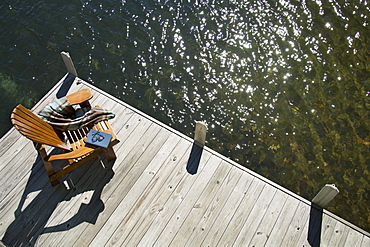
[98,138]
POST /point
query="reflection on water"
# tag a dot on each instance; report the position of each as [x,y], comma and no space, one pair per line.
[283,85]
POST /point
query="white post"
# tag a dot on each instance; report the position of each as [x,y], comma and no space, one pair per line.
[326,194]
[200,132]
[69,63]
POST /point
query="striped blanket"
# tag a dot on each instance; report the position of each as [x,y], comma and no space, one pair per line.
[63,116]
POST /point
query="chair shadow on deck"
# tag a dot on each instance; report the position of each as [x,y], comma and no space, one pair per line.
[314,226]
[35,211]
[194,158]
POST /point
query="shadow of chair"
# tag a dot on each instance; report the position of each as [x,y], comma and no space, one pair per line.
[30,222]
[32,215]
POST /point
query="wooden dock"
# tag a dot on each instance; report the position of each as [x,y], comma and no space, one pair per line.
[162,190]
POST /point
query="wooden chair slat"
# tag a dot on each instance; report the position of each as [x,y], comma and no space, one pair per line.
[73,154]
[29,123]
[24,127]
[41,139]
[33,127]
[27,114]
[30,119]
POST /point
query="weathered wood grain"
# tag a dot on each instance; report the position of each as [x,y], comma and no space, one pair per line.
[147,197]
[201,229]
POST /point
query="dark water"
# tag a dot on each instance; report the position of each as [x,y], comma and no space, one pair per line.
[284,85]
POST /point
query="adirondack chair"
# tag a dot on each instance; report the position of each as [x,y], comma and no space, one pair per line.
[72,142]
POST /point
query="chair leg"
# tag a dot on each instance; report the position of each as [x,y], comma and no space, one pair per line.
[109,153]
[42,152]
[54,182]
[51,172]
[47,164]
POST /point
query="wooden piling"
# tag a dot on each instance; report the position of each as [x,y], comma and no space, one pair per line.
[326,194]
[68,63]
[200,132]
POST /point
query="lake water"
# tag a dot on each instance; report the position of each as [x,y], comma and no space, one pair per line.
[283,85]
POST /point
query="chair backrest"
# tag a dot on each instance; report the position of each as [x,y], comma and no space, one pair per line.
[36,129]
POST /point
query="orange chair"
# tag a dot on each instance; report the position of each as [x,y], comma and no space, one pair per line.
[72,142]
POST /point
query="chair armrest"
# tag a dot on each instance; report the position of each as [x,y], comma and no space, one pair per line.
[79,97]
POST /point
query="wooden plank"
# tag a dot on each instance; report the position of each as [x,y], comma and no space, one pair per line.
[120,112]
[247,186]
[128,208]
[365,241]
[200,206]
[179,186]
[161,193]
[254,217]
[242,213]
[283,222]
[298,226]
[34,216]
[19,199]
[28,163]
[328,230]
[171,178]
[17,185]
[135,172]
[14,152]
[153,198]
[7,141]
[313,228]
[85,195]
[354,239]
[340,235]
[268,222]
[200,231]
[187,201]
[11,176]
[125,175]
[30,177]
